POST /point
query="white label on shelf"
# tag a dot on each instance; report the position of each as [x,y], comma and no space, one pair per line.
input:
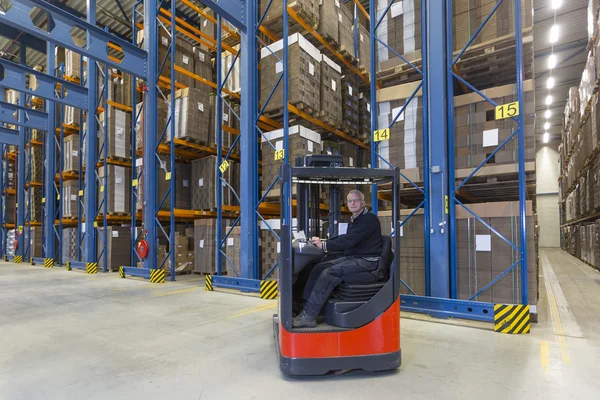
[202,243]
[165,41]
[278,67]
[225,117]
[337,3]
[397,9]
[200,106]
[229,242]
[483,242]
[139,162]
[351,161]
[279,145]
[120,131]
[369,107]
[350,90]
[340,18]
[75,153]
[361,38]
[201,182]
[311,68]
[333,85]
[186,183]
[73,197]
[342,228]
[82,228]
[311,147]
[490,137]
[115,233]
[395,112]
[201,56]
[402,231]
[278,247]
[118,179]
[185,60]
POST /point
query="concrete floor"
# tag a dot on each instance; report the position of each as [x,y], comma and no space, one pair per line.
[67,335]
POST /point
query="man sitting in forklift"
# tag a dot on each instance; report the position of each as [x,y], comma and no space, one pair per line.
[361,245]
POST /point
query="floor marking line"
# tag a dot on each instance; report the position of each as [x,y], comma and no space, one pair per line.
[544,355]
[178,291]
[252,311]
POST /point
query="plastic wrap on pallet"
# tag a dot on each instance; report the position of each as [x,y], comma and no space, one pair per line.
[117,188]
[592,18]
[588,83]
[192,114]
[400,29]
[119,134]
[10,243]
[331,91]
[71,153]
[118,246]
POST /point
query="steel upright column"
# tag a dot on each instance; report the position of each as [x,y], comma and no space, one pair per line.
[219,137]
[373,88]
[91,148]
[435,66]
[150,134]
[21,166]
[50,161]
[522,183]
[248,146]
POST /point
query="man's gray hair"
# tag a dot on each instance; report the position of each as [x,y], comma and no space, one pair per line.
[360,194]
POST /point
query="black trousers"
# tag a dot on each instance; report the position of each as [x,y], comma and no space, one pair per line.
[327,275]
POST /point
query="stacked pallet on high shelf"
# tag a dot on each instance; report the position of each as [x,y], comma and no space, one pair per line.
[579,182]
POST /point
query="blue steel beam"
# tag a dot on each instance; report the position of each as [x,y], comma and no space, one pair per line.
[435,66]
[60,25]
[248,145]
[150,165]
[50,163]
[91,199]
[373,90]
[14,76]
[9,136]
[21,172]
[219,136]
[22,38]
[10,113]
[451,164]
[522,183]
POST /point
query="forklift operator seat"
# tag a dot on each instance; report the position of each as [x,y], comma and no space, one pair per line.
[354,303]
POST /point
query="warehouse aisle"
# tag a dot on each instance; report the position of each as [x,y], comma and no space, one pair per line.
[74,336]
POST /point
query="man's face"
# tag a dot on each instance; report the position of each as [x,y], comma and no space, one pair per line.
[354,203]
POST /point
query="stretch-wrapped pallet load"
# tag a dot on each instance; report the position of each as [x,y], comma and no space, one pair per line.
[233,261]
[412,248]
[117,188]
[163,168]
[302,141]
[203,67]
[192,108]
[482,255]
[119,87]
[73,60]
[71,153]
[9,210]
[331,92]
[364,49]
[477,133]
[35,205]
[184,259]
[364,117]
[70,245]
[35,241]
[231,71]
[205,245]
[588,84]
[304,75]
[71,116]
[37,162]
[69,198]
[183,186]
[405,147]
[10,243]
[204,185]
[345,31]
[308,10]
[350,105]
[119,134]
[400,29]
[118,247]
[468,15]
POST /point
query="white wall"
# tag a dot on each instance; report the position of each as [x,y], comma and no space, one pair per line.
[547,195]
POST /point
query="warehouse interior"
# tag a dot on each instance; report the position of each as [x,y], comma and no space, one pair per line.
[167,256]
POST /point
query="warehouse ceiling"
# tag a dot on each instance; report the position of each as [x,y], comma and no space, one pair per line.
[571,54]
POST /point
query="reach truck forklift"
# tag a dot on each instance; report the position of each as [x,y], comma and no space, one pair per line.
[359,326]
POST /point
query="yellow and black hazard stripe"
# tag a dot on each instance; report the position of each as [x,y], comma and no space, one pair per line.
[157,275]
[18,259]
[268,290]
[121,272]
[91,268]
[209,286]
[512,319]
[68,266]
[49,263]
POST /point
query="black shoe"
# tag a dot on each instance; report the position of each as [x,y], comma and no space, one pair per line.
[304,321]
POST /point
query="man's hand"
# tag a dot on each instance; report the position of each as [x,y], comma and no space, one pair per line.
[317,242]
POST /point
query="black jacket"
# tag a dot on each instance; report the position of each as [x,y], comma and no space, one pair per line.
[363,237]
